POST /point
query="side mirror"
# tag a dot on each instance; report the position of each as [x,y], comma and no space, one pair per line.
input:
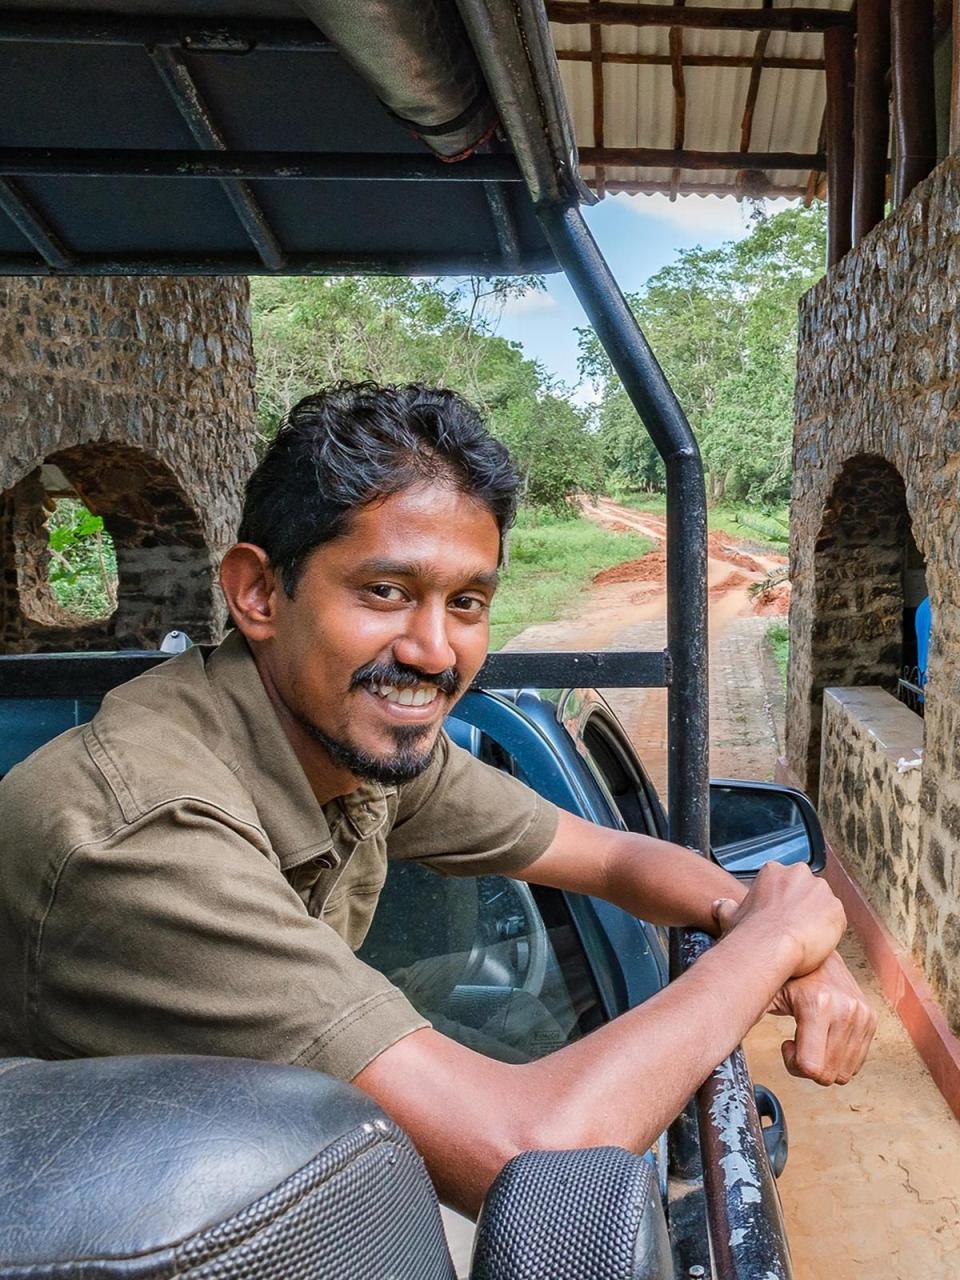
[753,823]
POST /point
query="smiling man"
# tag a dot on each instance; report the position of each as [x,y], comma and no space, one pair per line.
[194,870]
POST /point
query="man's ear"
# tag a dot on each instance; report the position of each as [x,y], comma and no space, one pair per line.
[251,588]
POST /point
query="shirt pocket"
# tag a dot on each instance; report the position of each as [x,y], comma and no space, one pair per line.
[350,904]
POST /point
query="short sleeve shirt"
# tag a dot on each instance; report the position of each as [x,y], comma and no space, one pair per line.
[171,884]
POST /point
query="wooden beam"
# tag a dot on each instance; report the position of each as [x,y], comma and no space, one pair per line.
[914,107]
[596,62]
[955,82]
[654,158]
[625,187]
[679,98]
[838,51]
[814,176]
[574,12]
[753,88]
[871,115]
[691,60]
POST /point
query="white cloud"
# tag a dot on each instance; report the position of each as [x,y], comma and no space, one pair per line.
[715,217]
[533,300]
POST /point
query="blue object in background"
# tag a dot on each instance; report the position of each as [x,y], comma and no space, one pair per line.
[921,622]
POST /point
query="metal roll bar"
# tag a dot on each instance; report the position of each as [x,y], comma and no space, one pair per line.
[726,1141]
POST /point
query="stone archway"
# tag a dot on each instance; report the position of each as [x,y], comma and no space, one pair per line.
[141,393]
[859,559]
[164,565]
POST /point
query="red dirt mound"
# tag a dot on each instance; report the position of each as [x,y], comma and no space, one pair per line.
[774,602]
[721,550]
[649,568]
[730,583]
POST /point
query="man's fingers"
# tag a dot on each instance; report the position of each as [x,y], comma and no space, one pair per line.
[725,913]
[810,1043]
[831,1041]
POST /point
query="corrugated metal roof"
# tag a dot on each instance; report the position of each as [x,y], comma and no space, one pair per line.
[639,102]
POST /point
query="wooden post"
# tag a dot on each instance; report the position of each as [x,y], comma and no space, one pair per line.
[871,115]
[914,108]
[955,82]
[839,57]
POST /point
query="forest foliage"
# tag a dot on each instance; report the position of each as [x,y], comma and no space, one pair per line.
[309,332]
[723,324]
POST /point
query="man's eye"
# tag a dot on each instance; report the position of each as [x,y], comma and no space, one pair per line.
[387,591]
[469,604]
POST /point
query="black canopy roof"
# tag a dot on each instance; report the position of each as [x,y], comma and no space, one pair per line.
[231,136]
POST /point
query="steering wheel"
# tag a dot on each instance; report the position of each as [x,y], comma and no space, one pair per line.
[525,927]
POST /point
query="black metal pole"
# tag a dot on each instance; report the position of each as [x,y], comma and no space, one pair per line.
[264,166]
[744,1240]
[746,1221]
[654,400]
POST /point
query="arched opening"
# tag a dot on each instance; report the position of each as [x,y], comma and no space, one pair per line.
[142,553]
[869,578]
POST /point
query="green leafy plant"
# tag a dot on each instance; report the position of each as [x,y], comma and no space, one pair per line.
[83,562]
[313,331]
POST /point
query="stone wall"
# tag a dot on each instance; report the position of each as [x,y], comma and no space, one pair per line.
[870,806]
[876,460]
[141,393]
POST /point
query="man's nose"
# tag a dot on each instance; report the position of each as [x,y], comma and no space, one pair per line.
[425,642]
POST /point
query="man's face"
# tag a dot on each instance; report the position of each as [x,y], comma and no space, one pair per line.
[389,623]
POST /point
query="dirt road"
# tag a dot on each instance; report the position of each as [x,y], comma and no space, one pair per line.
[872,1186]
[626,609]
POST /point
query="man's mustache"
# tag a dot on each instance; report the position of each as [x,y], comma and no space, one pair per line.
[401,676]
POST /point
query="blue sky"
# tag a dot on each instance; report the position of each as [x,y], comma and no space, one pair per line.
[638,235]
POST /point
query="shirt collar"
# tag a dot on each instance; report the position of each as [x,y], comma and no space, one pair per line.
[293,820]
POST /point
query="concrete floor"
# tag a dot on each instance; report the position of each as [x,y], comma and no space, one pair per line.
[872,1184]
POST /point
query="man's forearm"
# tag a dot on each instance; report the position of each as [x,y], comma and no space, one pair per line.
[665,883]
[620,1085]
[658,881]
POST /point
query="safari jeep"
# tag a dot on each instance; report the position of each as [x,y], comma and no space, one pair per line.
[226,137]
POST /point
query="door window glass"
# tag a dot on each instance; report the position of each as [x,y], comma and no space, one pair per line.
[489,961]
[621,778]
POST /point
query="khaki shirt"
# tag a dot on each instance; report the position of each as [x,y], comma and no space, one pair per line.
[171,885]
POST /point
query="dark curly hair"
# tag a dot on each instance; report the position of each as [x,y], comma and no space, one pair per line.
[353,443]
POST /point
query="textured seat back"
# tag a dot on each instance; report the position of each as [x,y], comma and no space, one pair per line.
[207,1169]
[593,1214]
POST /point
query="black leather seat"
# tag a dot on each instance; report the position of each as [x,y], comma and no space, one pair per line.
[222,1169]
[206,1168]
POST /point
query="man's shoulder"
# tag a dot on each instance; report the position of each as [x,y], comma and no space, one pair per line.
[155,741]
[161,738]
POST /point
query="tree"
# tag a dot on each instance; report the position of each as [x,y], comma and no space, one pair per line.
[312,331]
[723,324]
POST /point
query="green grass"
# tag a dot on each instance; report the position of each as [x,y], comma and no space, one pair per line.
[778,638]
[654,504]
[725,520]
[551,562]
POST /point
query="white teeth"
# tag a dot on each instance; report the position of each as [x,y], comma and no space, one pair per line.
[405,697]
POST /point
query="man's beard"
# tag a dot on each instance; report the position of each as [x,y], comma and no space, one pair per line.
[407,761]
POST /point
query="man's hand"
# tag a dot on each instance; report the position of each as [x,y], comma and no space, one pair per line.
[791,899]
[834,1022]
